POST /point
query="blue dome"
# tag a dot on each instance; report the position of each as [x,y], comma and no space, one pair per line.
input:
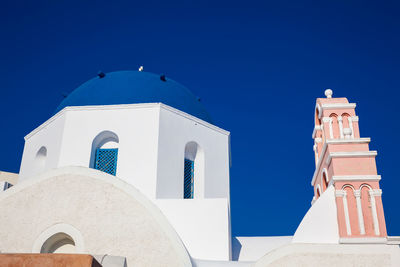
[132,87]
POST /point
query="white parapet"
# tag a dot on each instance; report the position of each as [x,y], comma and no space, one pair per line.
[320,225]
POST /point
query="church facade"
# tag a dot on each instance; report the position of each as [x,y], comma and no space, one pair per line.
[131,170]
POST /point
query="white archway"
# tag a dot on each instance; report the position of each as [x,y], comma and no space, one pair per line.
[59,238]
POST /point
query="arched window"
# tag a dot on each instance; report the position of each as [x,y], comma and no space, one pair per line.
[317,116]
[104,153]
[324,180]
[334,126]
[59,243]
[345,117]
[318,194]
[368,209]
[352,219]
[193,177]
[40,160]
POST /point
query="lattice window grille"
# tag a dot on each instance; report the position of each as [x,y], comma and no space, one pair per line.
[106,160]
[188,186]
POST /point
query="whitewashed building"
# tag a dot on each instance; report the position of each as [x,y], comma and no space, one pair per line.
[131,169]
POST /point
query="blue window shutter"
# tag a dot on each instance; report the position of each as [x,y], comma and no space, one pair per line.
[188,184]
[106,160]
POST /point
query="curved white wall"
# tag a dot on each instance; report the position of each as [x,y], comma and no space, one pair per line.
[111,217]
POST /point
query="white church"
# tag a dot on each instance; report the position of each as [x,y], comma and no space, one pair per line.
[131,171]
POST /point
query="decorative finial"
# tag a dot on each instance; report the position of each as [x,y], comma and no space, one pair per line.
[101,74]
[141,68]
[328,93]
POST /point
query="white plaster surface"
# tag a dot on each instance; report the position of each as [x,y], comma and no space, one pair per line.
[152,139]
[332,255]
[209,263]
[319,225]
[174,133]
[9,177]
[49,137]
[112,216]
[252,248]
[202,224]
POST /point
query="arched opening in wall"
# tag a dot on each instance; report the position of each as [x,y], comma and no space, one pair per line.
[104,153]
[367,209]
[40,160]
[317,119]
[352,209]
[59,243]
[318,193]
[335,132]
[193,177]
[345,119]
[324,180]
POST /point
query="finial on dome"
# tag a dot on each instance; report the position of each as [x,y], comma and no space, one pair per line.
[328,93]
[141,68]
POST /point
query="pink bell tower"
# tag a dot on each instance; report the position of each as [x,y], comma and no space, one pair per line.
[343,160]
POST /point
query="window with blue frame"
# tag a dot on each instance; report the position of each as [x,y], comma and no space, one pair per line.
[188,184]
[106,160]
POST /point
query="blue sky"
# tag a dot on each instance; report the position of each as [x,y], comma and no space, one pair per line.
[257,66]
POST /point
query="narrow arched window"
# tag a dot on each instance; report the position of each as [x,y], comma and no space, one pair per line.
[40,160]
[105,152]
[325,181]
[334,126]
[318,193]
[193,176]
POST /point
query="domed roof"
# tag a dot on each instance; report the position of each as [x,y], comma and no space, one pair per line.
[132,87]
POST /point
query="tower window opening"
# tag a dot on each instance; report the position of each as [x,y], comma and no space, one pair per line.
[188,185]
[106,160]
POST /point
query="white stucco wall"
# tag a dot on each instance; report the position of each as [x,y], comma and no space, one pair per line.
[175,132]
[50,137]
[151,152]
[103,214]
[252,248]
[202,224]
[137,130]
[152,139]
[320,225]
[332,255]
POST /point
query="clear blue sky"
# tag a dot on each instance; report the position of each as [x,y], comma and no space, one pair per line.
[257,66]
